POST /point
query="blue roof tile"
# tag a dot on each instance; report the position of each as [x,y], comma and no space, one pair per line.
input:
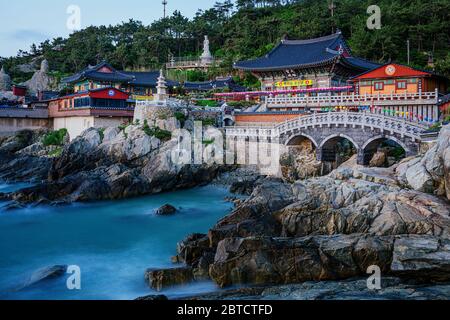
[291,54]
[211,85]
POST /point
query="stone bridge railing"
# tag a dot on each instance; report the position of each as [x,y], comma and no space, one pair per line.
[392,125]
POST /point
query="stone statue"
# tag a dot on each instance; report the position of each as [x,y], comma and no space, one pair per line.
[206,57]
[5,80]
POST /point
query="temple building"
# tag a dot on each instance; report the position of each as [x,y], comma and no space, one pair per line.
[405,87]
[303,64]
[320,75]
[140,85]
[226,84]
[99,108]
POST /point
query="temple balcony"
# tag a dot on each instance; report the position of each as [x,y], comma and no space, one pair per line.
[354,100]
[190,63]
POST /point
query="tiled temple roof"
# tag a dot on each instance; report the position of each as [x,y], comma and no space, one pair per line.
[141,79]
[93,73]
[147,79]
[215,84]
[292,54]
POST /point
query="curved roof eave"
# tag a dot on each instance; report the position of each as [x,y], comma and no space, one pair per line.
[278,68]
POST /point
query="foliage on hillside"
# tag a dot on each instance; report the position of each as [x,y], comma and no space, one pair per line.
[251,28]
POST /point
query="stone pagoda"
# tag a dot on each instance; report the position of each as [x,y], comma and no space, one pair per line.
[161,88]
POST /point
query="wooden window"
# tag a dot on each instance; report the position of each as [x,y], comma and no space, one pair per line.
[402,85]
[379,86]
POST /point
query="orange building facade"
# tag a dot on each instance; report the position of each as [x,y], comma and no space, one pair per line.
[398,79]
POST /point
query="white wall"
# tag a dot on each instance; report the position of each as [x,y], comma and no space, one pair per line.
[74,125]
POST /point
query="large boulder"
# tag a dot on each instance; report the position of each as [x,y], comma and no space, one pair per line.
[422,258]
[432,172]
[164,278]
[44,274]
[262,261]
[419,178]
[166,210]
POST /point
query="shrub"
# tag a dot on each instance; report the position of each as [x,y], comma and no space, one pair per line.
[241,104]
[55,138]
[56,152]
[209,122]
[101,132]
[207,103]
[208,142]
[180,117]
[157,132]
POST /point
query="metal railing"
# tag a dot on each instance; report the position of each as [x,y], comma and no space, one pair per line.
[353,100]
[393,125]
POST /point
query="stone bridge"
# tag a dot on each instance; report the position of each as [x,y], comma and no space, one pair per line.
[365,131]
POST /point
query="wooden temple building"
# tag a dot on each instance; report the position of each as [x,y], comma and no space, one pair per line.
[140,85]
[303,76]
[303,64]
[99,108]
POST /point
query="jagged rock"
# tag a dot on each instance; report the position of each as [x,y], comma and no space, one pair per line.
[171,124]
[365,208]
[92,169]
[262,261]
[419,178]
[44,274]
[153,298]
[356,289]
[379,159]
[166,210]
[5,80]
[432,172]
[300,162]
[254,216]
[40,81]
[110,134]
[422,258]
[162,279]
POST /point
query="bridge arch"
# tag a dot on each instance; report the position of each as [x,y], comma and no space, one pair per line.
[292,138]
[341,135]
[331,148]
[372,145]
[385,137]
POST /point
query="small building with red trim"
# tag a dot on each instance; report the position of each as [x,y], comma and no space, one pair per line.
[398,80]
[98,108]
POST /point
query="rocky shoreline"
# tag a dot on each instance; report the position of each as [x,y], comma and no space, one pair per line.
[307,239]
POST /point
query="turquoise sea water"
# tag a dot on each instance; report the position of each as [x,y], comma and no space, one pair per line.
[112,242]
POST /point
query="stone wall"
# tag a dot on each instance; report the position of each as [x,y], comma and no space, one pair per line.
[9,126]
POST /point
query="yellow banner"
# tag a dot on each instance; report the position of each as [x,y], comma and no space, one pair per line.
[141,98]
[294,83]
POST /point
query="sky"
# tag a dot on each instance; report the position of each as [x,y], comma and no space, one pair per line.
[23,22]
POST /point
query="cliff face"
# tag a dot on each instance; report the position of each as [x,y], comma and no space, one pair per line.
[40,81]
[430,173]
[108,164]
[335,227]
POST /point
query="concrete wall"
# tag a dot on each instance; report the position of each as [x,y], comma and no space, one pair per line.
[10,126]
[103,122]
[76,125]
